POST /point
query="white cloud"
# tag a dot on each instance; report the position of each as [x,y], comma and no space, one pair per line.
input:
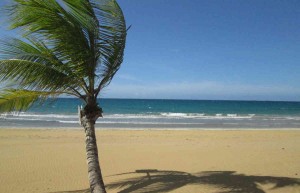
[203,90]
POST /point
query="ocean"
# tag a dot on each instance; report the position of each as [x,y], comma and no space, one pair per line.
[162,114]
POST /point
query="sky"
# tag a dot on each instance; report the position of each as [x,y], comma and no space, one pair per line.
[212,49]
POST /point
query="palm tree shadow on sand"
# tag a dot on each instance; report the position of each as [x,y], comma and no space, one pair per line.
[159,181]
[155,181]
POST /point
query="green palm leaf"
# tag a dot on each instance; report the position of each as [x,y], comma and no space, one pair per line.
[107,39]
[53,24]
[34,66]
[71,46]
[18,100]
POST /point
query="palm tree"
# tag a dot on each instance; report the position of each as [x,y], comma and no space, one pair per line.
[71,47]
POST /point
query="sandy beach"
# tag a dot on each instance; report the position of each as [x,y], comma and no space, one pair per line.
[185,161]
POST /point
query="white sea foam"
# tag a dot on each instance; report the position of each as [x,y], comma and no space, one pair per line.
[68,122]
[166,115]
[154,118]
[131,116]
[231,115]
[293,118]
[204,116]
[46,115]
[37,117]
[25,119]
[23,114]
[181,115]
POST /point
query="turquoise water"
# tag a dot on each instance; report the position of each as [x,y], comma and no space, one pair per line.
[169,114]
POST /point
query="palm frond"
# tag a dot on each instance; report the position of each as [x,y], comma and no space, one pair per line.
[20,100]
[63,32]
[106,38]
[73,46]
[34,65]
[112,39]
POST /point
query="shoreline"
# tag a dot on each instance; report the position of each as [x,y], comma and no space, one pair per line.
[153,129]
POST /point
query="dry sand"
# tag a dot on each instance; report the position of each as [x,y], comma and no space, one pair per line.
[191,161]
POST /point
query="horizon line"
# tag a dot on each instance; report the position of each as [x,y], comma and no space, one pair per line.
[244,100]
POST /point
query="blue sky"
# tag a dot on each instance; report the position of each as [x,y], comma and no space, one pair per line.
[212,49]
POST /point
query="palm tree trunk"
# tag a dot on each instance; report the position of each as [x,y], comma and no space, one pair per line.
[88,120]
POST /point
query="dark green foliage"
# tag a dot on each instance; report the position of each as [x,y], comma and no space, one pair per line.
[69,46]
